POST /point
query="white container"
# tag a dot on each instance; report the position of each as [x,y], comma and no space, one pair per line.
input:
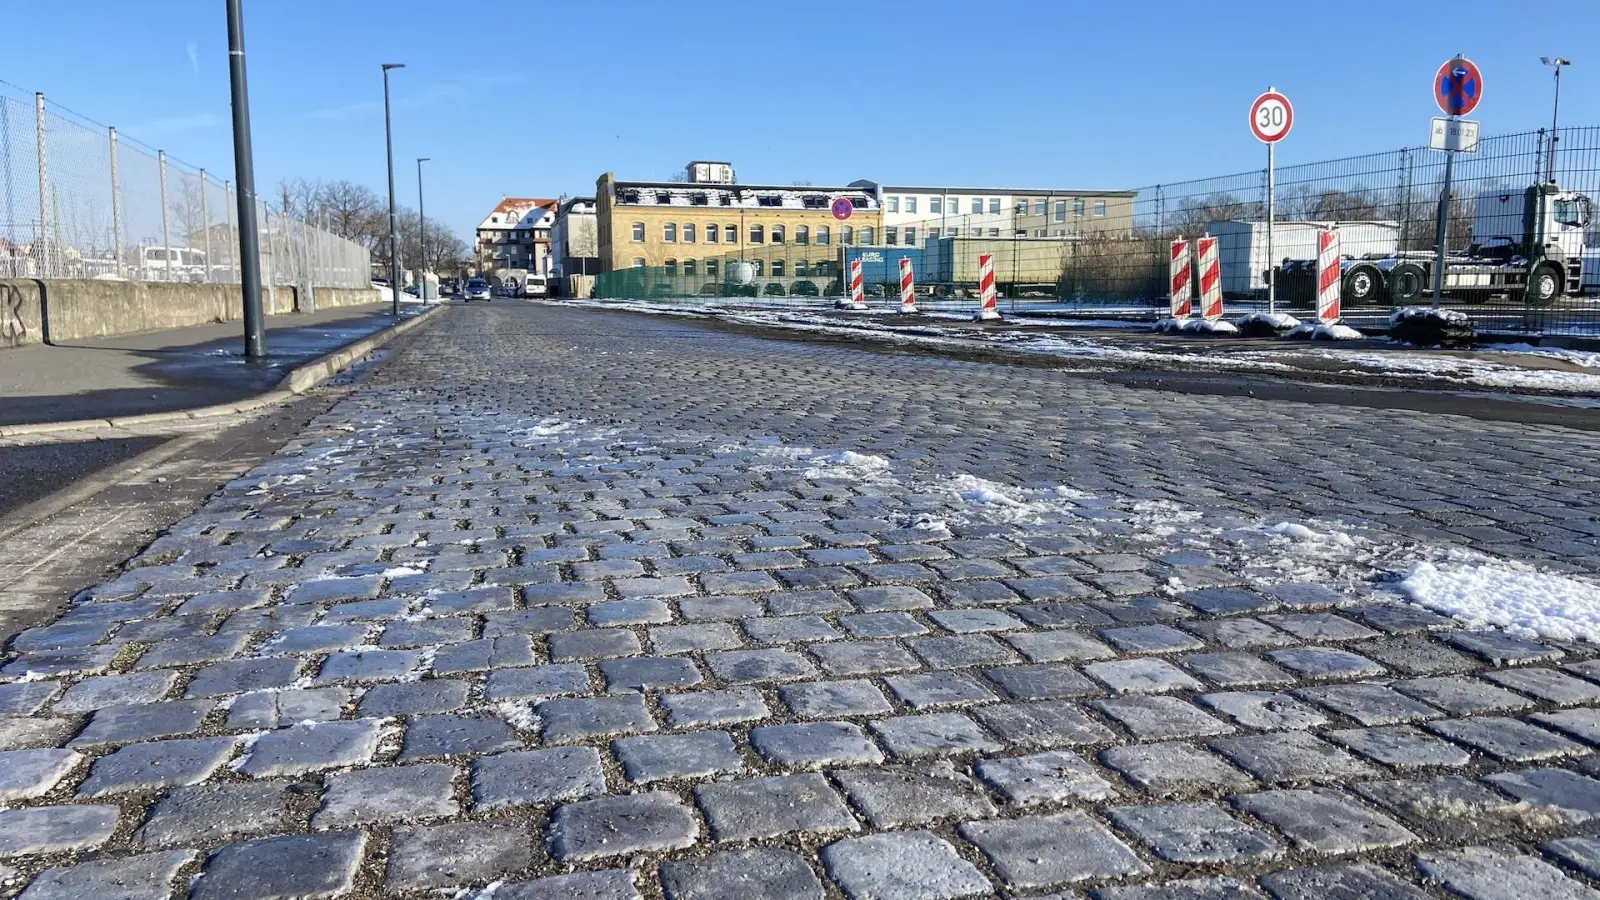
[1242,246]
[741,272]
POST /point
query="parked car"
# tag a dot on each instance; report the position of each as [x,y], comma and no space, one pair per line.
[448,287]
[535,286]
[477,289]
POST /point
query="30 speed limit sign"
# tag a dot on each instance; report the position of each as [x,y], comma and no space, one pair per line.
[1271,117]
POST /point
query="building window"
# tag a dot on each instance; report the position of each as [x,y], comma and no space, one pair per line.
[699,199]
[756,264]
[758,234]
[688,267]
[802,234]
[671,266]
[711,234]
[814,201]
[730,234]
[977,205]
[638,232]
[711,268]
[725,199]
[777,234]
[911,236]
[823,268]
[1099,209]
[669,233]
[935,205]
[823,236]
[866,235]
[951,232]
[891,235]
[663,198]
[688,232]
[911,204]
[994,232]
[994,206]
[769,201]
[777,268]
[629,196]
[638,262]
[1077,208]
[1038,232]
[893,204]
[801,267]
[1061,210]
[847,235]
[1038,207]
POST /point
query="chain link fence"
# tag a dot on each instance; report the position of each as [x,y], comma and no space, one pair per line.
[78,200]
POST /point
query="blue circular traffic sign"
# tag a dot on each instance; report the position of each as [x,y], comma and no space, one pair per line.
[842,208]
[1458,86]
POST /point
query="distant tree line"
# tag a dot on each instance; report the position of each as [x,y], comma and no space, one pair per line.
[356,212]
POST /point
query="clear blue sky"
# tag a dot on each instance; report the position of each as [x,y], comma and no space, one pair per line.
[540,98]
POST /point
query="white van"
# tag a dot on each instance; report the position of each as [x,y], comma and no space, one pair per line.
[172,264]
[535,286]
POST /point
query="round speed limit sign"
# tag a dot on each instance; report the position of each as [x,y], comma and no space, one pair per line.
[1271,117]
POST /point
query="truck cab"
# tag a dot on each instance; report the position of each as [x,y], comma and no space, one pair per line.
[1537,224]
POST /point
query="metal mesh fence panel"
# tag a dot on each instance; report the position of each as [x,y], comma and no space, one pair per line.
[78,200]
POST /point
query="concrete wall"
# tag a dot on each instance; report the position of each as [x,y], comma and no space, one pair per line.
[56,311]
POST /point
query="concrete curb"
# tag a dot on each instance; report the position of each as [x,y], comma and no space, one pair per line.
[300,379]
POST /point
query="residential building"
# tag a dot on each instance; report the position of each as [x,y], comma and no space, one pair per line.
[513,240]
[574,247]
[912,215]
[697,227]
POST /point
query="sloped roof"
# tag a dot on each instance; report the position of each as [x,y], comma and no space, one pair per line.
[513,210]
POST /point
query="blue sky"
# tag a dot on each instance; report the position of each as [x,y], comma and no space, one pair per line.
[540,98]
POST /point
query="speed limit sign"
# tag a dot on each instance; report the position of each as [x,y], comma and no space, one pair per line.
[1271,117]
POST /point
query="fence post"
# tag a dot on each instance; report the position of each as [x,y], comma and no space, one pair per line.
[166,237]
[233,239]
[205,223]
[1405,198]
[44,191]
[116,208]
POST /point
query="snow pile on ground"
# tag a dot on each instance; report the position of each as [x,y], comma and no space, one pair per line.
[1576,357]
[972,489]
[1465,370]
[1480,591]
[848,464]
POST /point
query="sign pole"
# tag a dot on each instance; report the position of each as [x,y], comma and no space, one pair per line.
[1272,218]
[1441,225]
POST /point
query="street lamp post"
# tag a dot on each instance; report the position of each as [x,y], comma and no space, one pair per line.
[1555,63]
[422,235]
[394,223]
[255,345]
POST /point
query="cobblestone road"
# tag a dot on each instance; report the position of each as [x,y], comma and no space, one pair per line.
[557,606]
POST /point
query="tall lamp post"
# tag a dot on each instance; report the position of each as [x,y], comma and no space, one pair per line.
[1555,63]
[244,170]
[394,224]
[422,235]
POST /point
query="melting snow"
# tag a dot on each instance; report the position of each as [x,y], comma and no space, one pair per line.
[1508,594]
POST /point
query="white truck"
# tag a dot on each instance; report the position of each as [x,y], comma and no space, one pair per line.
[1528,243]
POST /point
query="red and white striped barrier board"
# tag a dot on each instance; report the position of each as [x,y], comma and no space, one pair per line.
[1210,279]
[987,311]
[908,290]
[1181,288]
[857,297]
[1329,273]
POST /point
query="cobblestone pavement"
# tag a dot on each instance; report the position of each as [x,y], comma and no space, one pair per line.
[563,604]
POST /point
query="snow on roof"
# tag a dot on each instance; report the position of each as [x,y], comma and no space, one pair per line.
[519,212]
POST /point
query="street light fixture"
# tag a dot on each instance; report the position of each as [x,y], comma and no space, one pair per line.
[1556,63]
[394,225]
[422,235]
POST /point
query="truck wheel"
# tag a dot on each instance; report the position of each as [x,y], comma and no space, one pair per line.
[1544,285]
[1363,284]
[1407,282]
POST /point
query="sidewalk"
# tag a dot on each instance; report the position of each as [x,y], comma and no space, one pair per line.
[171,370]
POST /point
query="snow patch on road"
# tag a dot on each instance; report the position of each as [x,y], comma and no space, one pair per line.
[848,464]
[518,715]
[1481,591]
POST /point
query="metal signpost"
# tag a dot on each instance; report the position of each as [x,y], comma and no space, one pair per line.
[1271,117]
[842,208]
[1457,88]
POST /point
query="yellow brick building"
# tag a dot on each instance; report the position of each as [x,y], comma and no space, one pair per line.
[696,228]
